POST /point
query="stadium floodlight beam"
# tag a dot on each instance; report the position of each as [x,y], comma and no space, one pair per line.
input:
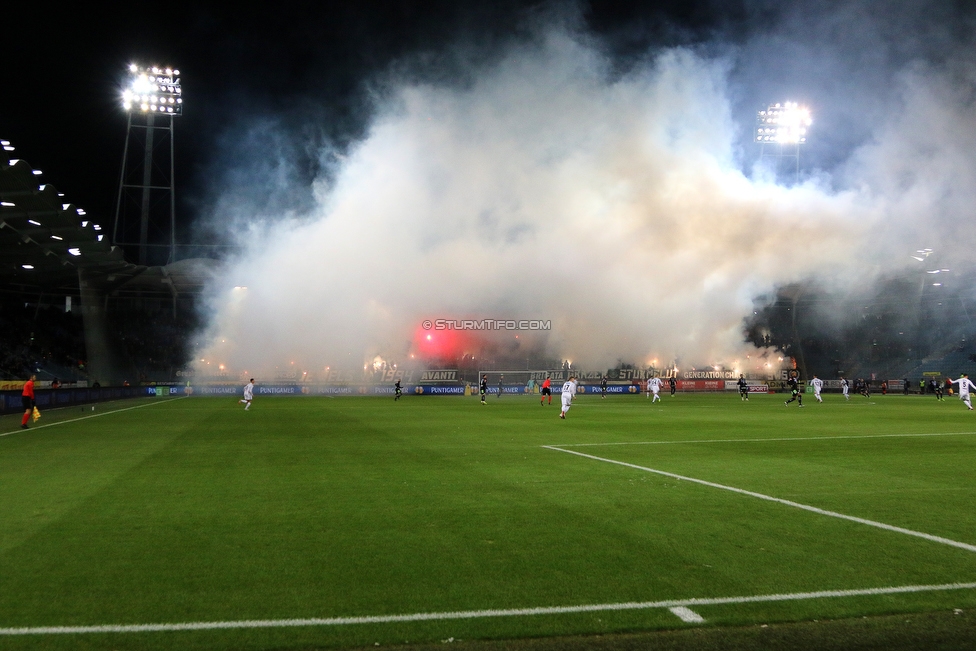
[784,124]
[153,90]
[149,95]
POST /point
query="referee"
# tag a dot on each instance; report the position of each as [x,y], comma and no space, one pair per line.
[27,399]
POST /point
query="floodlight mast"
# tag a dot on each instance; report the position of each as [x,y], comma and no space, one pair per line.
[784,125]
[150,93]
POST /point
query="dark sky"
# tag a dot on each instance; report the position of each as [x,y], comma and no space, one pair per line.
[310,66]
[305,63]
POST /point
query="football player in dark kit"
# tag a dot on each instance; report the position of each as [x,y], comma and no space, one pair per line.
[673,384]
[743,388]
[484,389]
[603,387]
[864,390]
[398,390]
[793,385]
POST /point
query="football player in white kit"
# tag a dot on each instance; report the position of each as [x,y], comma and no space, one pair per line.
[846,388]
[654,386]
[248,394]
[965,384]
[569,391]
[817,385]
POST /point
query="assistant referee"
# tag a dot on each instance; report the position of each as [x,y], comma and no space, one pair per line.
[27,399]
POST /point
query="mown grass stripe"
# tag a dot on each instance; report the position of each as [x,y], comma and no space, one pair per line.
[778,500]
[476,614]
[766,440]
[156,401]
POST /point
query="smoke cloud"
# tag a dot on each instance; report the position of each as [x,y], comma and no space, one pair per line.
[620,207]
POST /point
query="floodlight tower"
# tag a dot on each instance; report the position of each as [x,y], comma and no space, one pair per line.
[152,98]
[783,127]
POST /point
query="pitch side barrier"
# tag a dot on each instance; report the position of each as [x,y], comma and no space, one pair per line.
[10,401]
[323,390]
[443,389]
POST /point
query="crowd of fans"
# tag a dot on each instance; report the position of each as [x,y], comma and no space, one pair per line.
[41,339]
[154,345]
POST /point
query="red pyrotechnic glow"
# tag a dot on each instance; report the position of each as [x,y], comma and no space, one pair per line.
[431,345]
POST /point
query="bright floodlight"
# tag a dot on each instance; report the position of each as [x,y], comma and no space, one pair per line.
[784,124]
[153,90]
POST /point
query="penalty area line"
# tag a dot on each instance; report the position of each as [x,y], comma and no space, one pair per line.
[681,605]
[156,401]
[778,500]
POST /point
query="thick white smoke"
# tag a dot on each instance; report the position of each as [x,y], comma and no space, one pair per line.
[549,189]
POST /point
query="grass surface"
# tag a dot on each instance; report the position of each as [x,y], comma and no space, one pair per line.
[191,510]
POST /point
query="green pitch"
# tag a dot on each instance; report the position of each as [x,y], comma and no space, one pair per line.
[193,511]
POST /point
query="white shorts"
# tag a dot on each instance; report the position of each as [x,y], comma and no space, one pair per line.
[567,400]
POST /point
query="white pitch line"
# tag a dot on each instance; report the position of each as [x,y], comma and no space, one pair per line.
[778,500]
[790,438]
[102,413]
[477,614]
[688,615]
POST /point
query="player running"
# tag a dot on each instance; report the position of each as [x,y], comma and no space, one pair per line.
[397,391]
[794,387]
[673,384]
[965,384]
[248,395]
[603,387]
[865,389]
[569,392]
[743,388]
[546,391]
[484,389]
[845,386]
[817,385]
[654,386]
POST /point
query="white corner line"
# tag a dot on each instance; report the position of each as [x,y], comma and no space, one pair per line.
[477,614]
[770,498]
[688,615]
[156,401]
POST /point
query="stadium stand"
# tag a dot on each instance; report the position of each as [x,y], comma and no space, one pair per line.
[68,295]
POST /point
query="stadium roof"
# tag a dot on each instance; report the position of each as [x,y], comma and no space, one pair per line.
[45,242]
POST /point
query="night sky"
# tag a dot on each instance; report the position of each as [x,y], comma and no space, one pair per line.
[369,141]
[309,70]
[307,64]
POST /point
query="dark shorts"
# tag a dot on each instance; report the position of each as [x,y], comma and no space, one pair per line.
[27,401]
[547,391]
